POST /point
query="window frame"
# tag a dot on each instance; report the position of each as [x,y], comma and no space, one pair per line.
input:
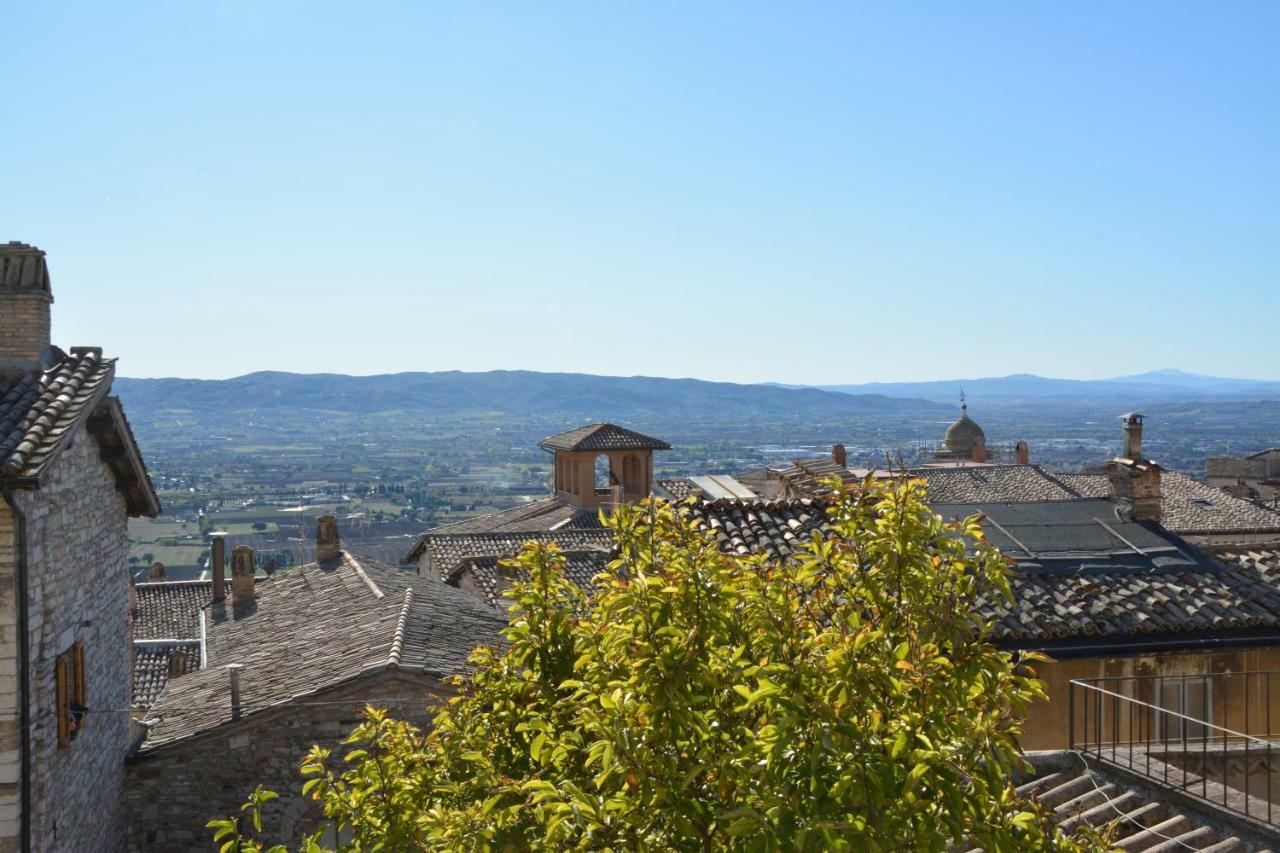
[70,694]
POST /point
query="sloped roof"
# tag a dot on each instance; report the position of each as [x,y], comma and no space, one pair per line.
[151,666]
[580,567]
[805,476]
[1091,585]
[994,483]
[1190,507]
[602,436]
[41,409]
[170,610]
[536,517]
[678,488]
[1127,604]
[316,627]
[447,551]
[777,528]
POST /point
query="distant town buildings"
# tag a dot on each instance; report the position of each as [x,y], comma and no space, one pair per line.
[1256,476]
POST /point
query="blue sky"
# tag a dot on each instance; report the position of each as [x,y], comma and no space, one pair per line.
[791,192]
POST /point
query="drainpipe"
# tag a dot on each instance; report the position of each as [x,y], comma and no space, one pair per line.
[24,666]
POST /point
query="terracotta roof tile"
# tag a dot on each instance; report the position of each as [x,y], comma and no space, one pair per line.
[38,408]
[602,436]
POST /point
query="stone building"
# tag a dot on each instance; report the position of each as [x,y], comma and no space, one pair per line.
[70,477]
[1256,476]
[282,663]
[466,553]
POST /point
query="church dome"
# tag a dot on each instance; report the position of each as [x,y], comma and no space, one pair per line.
[964,434]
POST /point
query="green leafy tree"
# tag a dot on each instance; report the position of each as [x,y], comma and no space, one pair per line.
[845,700]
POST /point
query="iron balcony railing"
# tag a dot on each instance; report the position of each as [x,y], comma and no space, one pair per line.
[1208,735]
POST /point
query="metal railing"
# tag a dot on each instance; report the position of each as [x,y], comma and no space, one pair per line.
[1208,735]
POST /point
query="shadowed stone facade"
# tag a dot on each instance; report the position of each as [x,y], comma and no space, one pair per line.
[78,592]
[174,791]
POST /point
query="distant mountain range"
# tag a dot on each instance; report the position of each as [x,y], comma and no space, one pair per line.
[1154,386]
[510,392]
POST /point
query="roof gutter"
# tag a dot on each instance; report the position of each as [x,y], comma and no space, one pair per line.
[1139,645]
[24,658]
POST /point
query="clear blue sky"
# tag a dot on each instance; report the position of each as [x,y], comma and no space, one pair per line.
[793,192]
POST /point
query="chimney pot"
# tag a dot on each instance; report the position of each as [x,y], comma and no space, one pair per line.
[156,572]
[839,456]
[328,544]
[1132,436]
[234,670]
[242,582]
[979,453]
[218,563]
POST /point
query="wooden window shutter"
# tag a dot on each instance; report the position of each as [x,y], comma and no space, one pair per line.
[64,696]
[81,697]
[1198,704]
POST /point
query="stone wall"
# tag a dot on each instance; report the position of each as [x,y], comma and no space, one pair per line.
[174,791]
[78,592]
[10,724]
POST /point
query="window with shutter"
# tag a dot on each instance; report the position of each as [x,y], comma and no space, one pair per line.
[71,693]
[1191,696]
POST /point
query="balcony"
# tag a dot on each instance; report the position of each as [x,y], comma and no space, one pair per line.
[1210,737]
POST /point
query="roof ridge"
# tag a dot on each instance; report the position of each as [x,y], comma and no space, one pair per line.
[360,573]
[402,624]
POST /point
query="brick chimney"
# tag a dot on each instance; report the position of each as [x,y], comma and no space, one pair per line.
[1022,453]
[25,297]
[328,545]
[839,456]
[1135,480]
[979,453]
[242,575]
[218,565]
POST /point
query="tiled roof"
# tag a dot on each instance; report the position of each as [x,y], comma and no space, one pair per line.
[994,483]
[776,528]
[1084,589]
[536,517]
[41,409]
[166,622]
[580,567]
[1187,506]
[1127,604]
[448,551]
[151,667]
[170,610]
[678,488]
[1190,507]
[37,409]
[1136,805]
[316,627]
[1263,560]
[805,476]
[602,436]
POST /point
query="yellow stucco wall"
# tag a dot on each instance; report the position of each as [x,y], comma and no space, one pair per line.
[1047,724]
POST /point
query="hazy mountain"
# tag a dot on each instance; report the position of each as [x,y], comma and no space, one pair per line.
[504,392]
[1146,387]
[1199,382]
